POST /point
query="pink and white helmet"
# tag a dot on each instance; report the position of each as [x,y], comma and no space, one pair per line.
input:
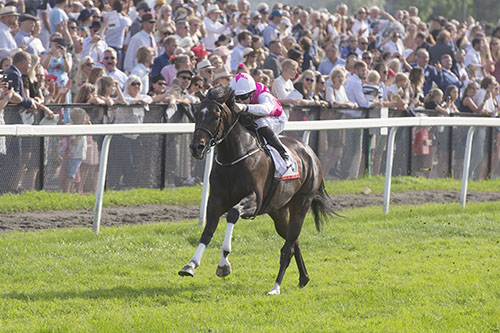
[242,84]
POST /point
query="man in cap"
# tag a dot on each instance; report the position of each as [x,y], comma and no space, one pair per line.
[24,37]
[142,38]
[8,20]
[254,22]
[271,32]
[142,9]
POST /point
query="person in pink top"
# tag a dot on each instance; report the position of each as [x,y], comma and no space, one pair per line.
[255,99]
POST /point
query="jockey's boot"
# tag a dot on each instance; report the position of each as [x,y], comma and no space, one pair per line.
[275,142]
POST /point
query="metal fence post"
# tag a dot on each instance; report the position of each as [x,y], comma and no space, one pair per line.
[388,168]
[465,172]
[100,183]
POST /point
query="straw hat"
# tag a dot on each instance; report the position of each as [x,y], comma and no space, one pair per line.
[222,72]
[204,64]
[247,51]
[186,43]
[8,10]
[214,9]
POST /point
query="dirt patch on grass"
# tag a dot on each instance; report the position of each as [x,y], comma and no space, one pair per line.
[113,216]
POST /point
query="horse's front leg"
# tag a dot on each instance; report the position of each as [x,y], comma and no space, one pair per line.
[214,211]
[246,207]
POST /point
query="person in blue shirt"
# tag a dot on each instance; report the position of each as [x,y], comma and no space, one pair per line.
[447,77]
[170,43]
[350,48]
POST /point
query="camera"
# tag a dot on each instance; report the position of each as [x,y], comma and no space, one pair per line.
[60,42]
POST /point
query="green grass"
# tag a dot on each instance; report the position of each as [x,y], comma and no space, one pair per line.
[421,268]
[192,195]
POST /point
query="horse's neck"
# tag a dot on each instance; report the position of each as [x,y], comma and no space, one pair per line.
[237,143]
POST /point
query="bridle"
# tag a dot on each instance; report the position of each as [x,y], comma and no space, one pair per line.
[218,136]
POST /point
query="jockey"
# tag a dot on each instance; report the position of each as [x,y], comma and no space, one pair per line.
[256,99]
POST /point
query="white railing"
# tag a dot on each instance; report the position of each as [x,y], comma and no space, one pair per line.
[109,130]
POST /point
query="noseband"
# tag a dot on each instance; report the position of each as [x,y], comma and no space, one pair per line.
[218,136]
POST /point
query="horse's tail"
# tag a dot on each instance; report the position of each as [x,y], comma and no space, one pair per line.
[322,207]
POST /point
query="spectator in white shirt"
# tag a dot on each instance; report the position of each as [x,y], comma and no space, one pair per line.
[354,91]
[360,28]
[244,41]
[283,85]
[473,58]
[117,28]
[145,56]
[213,27]
[8,20]
[94,46]
[109,61]
[142,38]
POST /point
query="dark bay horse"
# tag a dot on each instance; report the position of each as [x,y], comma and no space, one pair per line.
[242,177]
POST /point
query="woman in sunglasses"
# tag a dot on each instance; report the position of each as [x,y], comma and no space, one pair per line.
[256,99]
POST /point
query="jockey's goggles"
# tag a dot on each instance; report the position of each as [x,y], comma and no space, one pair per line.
[243,97]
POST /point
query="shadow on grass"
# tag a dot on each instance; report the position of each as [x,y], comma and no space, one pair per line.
[192,293]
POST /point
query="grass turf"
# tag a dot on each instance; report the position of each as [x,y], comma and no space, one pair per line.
[421,268]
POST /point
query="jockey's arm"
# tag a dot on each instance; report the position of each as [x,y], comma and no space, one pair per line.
[265,106]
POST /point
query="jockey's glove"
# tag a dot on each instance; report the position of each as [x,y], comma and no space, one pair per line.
[241,107]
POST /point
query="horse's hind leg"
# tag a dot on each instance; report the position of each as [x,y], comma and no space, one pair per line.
[280,219]
[304,277]
[245,207]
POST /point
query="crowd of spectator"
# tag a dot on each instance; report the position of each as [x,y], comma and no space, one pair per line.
[143,52]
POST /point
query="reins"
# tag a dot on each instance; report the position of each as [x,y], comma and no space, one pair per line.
[214,141]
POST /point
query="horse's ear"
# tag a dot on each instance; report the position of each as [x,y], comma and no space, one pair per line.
[230,100]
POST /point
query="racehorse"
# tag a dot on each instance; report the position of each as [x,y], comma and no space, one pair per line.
[241,181]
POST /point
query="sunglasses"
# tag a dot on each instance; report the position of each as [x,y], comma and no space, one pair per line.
[243,97]
[135,84]
[364,43]
[309,79]
[90,64]
[109,58]
[199,86]
[73,27]
[161,83]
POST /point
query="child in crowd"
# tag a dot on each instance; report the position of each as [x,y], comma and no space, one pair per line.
[77,149]
[372,89]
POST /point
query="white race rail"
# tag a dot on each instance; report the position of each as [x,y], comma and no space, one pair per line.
[109,130]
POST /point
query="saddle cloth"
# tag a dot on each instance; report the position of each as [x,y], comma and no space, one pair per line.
[280,170]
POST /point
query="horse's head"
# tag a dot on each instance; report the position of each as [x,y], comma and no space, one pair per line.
[211,117]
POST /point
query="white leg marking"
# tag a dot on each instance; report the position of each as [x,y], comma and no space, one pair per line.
[196,259]
[226,246]
[275,290]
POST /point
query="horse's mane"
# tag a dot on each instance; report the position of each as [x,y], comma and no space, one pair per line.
[218,93]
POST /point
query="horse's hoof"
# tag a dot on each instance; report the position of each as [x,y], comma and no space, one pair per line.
[303,282]
[274,291]
[223,271]
[187,270]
